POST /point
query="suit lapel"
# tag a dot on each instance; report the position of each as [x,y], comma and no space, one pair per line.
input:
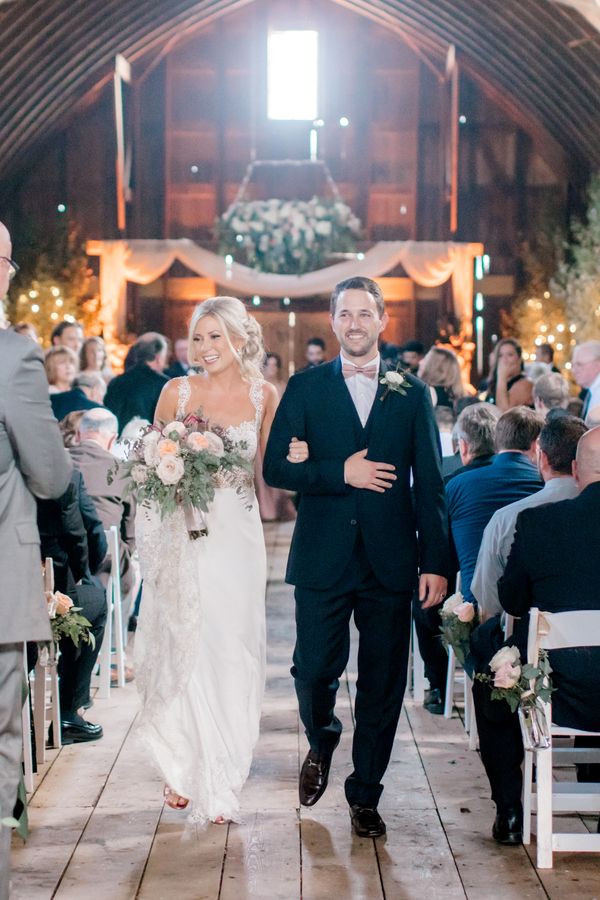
[378,410]
[342,399]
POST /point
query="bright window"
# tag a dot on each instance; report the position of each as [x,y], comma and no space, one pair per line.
[292,75]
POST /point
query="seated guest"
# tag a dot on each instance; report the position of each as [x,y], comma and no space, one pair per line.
[315,353]
[69,428]
[181,363]
[474,496]
[445,422]
[136,392]
[93,359]
[92,456]
[545,354]
[61,368]
[67,334]
[553,565]
[550,391]
[557,445]
[72,534]
[586,371]
[508,386]
[87,393]
[474,430]
[131,358]
[411,355]
[440,369]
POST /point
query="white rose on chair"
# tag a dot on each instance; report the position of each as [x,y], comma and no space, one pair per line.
[505,655]
[170,469]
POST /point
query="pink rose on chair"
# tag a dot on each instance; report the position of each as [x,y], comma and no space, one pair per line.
[507,676]
[465,612]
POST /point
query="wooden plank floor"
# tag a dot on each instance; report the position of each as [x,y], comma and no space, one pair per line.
[99,829]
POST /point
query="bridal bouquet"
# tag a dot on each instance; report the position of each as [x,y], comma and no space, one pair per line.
[176,466]
[459,618]
[525,688]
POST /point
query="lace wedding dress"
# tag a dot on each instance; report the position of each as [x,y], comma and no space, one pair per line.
[200,641]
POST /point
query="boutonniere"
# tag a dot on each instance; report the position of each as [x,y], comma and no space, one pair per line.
[396,382]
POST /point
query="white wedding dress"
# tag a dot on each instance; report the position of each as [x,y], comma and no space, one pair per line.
[200,641]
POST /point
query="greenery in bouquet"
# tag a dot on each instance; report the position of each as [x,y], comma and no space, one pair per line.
[175,465]
[287,237]
[459,618]
[521,685]
[66,620]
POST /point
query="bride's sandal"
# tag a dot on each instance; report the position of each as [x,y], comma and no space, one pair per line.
[174,800]
[220,820]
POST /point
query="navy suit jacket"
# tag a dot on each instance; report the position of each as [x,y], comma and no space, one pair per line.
[474,497]
[401,430]
[71,401]
[554,564]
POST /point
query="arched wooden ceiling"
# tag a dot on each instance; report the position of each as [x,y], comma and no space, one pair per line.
[542,55]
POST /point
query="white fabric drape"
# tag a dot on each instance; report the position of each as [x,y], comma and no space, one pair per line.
[428,263]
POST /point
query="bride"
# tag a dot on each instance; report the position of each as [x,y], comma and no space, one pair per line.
[200,642]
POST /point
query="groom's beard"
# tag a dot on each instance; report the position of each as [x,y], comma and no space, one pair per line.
[363,348]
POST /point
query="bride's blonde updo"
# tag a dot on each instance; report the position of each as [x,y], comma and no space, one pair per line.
[235,322]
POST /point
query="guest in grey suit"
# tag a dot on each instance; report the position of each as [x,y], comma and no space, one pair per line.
[33,463]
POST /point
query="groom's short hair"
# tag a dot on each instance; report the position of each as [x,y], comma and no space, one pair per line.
[358,283]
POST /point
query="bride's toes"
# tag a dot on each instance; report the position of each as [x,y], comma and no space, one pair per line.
[174,800]
[220,820]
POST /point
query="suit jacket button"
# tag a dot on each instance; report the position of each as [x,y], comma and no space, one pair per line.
[353,522]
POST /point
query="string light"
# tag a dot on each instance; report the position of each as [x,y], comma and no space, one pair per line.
[35,308]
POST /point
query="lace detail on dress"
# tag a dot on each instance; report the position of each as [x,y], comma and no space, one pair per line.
[256,395]
[183,396]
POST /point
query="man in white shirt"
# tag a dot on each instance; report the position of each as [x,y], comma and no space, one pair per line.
[586,370]
[557,446]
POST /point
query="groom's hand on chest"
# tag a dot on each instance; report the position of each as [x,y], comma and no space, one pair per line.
[360,472]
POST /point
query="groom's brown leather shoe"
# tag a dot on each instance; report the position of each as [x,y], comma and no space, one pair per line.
[314,776]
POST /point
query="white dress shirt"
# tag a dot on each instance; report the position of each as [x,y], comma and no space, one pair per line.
[498,539]
[362,389]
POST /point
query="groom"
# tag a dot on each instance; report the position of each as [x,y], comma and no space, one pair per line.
[355,548]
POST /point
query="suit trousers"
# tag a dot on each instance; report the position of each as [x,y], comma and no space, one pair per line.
[76,664]
[382,618]
[11,687]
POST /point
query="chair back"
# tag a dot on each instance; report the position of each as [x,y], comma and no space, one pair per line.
[559,631]
[48,569]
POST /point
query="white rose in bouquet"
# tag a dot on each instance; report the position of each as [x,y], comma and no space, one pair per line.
[150,446]
[504,656]
[177,427]
[170,469]
[465,612]
[454,600]
[215,444]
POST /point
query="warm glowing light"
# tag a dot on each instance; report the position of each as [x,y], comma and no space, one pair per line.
[286,301]
[543,328]
[292,75]
[54,316]
[59,302]
[256,300]
[229,260]
[55,291]
[550,338]
[34,294]
[61,208]
[344,121]
[559,346]
[538,341]
[572,328]
[546,295]
[560,327]
[360,256]
[35,308]
[479,302]
[567,365]
[462,120]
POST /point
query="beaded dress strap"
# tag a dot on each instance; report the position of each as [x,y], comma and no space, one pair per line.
[184,393]
[256,395]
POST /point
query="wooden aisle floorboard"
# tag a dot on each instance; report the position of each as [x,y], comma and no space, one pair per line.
[99,829]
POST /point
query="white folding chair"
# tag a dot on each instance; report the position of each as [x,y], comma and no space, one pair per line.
[26,725]
[114,624]
[46,696]
[558,631]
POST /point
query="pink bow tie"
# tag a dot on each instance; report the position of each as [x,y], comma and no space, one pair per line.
[349,370]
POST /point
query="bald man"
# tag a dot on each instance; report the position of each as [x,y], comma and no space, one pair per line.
[586,371]
[553,564]
[33,463]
